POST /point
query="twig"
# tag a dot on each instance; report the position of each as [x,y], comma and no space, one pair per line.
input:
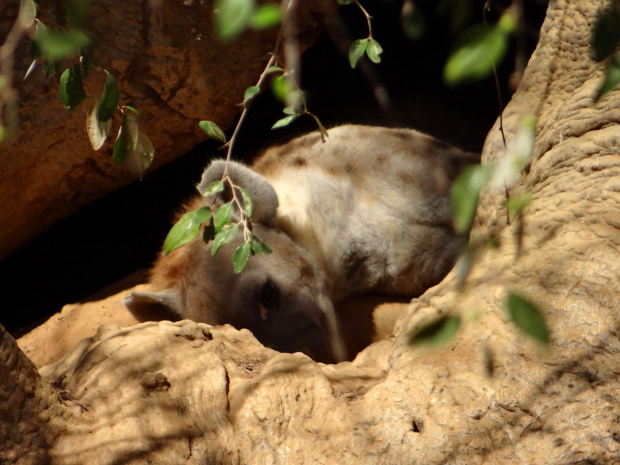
[8,94]
[368,17]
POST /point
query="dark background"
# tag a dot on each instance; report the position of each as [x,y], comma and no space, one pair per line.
[123,231]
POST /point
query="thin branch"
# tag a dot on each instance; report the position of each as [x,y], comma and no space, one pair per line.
[368,17]
[8,95]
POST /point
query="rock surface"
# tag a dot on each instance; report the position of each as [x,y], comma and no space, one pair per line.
[188,393]
[169,64]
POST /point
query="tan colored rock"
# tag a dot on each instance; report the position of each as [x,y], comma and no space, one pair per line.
[185,392]
[169,64]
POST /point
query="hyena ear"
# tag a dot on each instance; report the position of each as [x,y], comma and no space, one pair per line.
[263,196]
[149,306]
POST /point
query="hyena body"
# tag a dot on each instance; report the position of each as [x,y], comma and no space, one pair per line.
[369,210]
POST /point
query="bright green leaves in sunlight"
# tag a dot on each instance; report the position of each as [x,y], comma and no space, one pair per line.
[250,92]
[186,229]
[213,130]
[221,222]
[265,16]
[258,246]
[224,236]
[477,50]
[436,333]
[369,46]
[284,121]
[71,87]
[233,16]
[240,257]
[357,50]
[527,317]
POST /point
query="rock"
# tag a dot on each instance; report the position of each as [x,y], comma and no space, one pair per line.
[169,64]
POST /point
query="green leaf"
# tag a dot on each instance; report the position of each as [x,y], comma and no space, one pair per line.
[126,141]
[284,121]
[612,76]
[507,22]
[213,188]
[240,257]
[258,246]
[344,2]
[606,33]
[227,234]
[109,99]
[465,192]
[86,59]
[478,49]
[527,317]
[231,17]
[71,88]
[129,107]
[223,216]
[374,50]
[247,202]
[265,16]
[436,333]
[27,13]
[186,229]
[289,111]
[56,46]
[249,93]
[281,87]
[357,50]
[213,130]
[96,129]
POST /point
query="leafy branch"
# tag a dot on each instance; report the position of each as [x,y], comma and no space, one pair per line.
[368,45]
[218,224]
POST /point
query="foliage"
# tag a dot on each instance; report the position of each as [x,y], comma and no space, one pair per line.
[604,40]
[437,332]
[527,317]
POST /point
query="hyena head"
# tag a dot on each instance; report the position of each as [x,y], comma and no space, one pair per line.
[282,297]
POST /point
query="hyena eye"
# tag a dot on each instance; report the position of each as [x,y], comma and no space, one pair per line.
[268,294]
[268,300]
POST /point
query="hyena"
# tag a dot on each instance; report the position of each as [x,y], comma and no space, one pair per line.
[369,210]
